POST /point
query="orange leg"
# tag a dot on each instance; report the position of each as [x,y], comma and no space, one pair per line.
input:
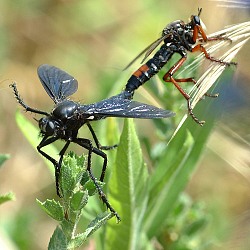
[194,82]
[200,48]
[215,38]
[168,77]
[198,31]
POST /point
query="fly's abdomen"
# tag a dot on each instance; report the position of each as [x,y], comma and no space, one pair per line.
[143,74]
[149,69]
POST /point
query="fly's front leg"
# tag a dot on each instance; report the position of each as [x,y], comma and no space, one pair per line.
[199,35]
[168,77]
[215,38]
[199,47]
[46,141]
[198,30]
[58,168]
[62,152]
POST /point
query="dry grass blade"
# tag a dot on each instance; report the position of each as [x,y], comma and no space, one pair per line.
[232,4]
[221,143]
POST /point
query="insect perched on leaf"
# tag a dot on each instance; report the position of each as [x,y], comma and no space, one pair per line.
[67,117]
[177,37]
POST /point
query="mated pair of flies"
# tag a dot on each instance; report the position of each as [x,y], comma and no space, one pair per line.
[67,116]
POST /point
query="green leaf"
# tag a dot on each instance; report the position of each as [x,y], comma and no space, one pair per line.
[3,158]
[77,241]
[92,227]
[85,178]
[58,240]
[31,133]
[53,209]
[127,192]
[90,186]
[111,132]
[7,197]
[195,227]
[173,173]
[71,174]
[79,200]
[98,222]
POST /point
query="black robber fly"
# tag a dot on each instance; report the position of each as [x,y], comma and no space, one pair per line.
[67,117]
[177,37]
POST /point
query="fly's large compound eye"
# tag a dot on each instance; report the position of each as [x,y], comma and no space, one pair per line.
[47,126]
[196,20]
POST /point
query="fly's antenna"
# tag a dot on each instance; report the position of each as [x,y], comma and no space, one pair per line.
[23,104]
[199,11]
[17,96]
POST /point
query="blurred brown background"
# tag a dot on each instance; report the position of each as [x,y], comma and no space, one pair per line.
[93,41]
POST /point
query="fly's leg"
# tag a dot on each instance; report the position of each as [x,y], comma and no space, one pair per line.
[168,77]
[212,95]
[215,38]
[103,155]
[195,83]
[100,153]
[199,47]
[85,143]
[62,152]
[198,30]
[98,144]
[57,165]
[58,169]
[46,141]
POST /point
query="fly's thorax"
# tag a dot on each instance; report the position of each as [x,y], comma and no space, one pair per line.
[175,25]
[175,33]
[65,110]
[173,28]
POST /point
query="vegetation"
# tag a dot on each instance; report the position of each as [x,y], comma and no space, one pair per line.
[148,174]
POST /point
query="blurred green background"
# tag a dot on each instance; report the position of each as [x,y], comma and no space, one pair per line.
[94,41]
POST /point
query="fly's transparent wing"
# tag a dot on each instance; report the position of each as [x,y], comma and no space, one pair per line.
[148,50]
[116,106]
[57,83]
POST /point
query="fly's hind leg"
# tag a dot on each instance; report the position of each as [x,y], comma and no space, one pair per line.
[168,77]
[98,144]
[87,144]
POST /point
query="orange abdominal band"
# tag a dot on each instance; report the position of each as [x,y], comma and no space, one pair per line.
[141,70]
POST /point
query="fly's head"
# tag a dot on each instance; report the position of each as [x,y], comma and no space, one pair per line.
[50,126]
[194,30]
[195,20]
[62,122]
